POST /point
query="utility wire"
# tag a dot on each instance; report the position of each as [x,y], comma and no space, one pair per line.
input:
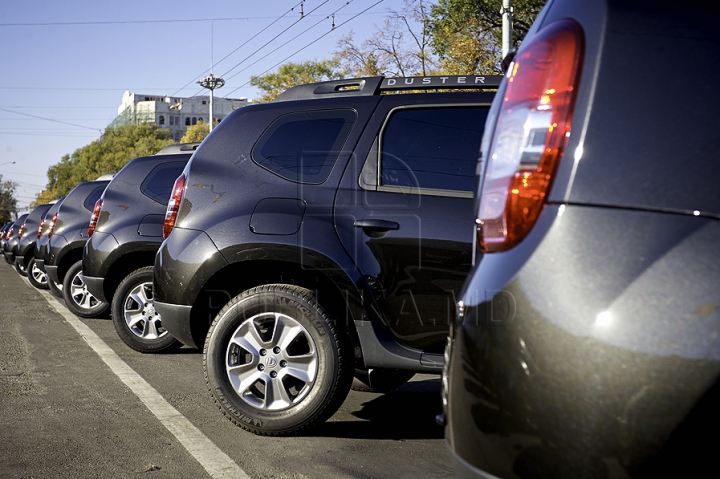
[238,48]
[123,22]
[309,44]
[268,42]
[275,38]
[292,39]
[50,119]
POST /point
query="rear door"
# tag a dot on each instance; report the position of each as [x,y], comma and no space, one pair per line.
[404,209]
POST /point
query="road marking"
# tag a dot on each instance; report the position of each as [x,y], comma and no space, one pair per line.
[216,463]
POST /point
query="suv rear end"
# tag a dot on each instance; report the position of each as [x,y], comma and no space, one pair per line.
[11,238]
[587,342]
[26,244]
[125,233]
[44,233]
[63,251]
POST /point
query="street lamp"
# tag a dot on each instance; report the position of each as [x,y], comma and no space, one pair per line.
[7,163]
[211,82]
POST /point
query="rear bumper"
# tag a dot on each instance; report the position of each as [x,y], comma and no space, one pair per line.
[40,263]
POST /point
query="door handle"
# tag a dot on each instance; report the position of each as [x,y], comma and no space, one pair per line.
[376,228]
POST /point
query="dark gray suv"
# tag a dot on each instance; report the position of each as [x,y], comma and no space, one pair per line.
[125,232]
[323,236]
[587,341]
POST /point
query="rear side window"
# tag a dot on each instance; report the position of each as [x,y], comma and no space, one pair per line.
[159,182]
[303,146]
[89,203]
[431,148]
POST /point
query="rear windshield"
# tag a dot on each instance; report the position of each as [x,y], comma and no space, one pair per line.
[159,182]
[92,198]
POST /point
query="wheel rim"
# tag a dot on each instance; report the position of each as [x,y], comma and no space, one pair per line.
[22,267]
[38,275]
[271,361]
[139,312]
[80,295]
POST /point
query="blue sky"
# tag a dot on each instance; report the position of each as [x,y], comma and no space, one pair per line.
[66,63]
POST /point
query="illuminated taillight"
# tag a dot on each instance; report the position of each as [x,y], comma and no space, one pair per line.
[21,230]
[173,205]
[94,217]
[532,128]
[51,230]
[40,228]
[8,235]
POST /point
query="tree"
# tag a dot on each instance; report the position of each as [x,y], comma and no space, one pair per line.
[196,133]
[399,48]
[8,202]
[108,154]
[292,74]
[467,34]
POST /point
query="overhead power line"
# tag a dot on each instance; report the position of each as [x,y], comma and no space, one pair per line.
[51,119]
[296,37]
[123,22]
[309,44]
[245,43]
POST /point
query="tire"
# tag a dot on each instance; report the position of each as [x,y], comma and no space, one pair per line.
[21,269]
[7,260]
[380,380]
[36,276]
[310,359]
[56,289]
[133,314]
[77,298]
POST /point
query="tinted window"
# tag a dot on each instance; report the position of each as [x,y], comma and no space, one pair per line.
[92,198]
[303,146]
[159,182]
[434,148]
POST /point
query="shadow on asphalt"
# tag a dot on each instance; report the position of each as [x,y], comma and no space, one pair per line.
[407,413]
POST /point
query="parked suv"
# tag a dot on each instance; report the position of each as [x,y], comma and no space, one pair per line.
[26,244]
[45,231]
[62,258]
[3,234]
[126,230]
[322,234]
[11,238]
[587,342]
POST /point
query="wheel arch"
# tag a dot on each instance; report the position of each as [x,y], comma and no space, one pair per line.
[334,290]
[122,266]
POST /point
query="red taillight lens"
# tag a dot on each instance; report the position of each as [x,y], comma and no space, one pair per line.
[94,217]
[21,230]
[173,205]
[51,230]
[40,228]
[532,129]
[8,235]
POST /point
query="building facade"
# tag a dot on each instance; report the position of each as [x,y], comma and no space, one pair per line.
[173,113]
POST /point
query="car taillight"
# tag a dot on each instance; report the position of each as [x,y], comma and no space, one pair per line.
[173,205]
[21,230]
[40,228]
[8,235]
[94,217]
[52,225]
[532,128]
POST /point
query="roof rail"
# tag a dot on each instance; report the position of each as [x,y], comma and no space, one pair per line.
[369,86]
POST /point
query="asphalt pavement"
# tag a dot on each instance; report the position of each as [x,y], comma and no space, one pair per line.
[75,401]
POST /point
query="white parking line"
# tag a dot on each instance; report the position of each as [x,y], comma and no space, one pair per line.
[216,463]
